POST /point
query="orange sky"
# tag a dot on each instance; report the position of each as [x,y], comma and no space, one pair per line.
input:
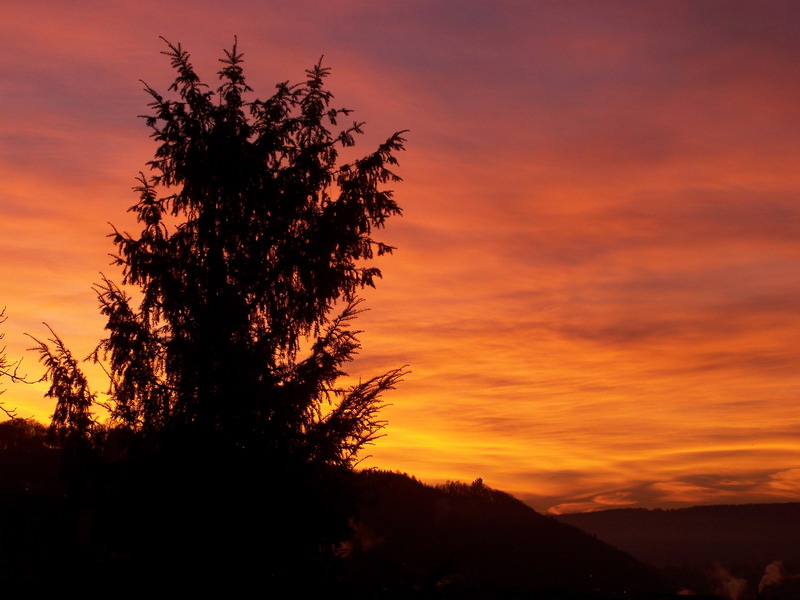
[596,284]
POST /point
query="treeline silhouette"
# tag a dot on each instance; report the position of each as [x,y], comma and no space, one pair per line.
[153,519]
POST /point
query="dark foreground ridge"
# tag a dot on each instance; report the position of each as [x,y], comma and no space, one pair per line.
[473,541]
[410,540]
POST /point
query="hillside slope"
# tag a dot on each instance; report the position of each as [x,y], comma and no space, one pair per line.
[472,538]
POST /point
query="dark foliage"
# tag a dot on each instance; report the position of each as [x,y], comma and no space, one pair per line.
[255,242]
[28,464]
[225,405]
[72,421]
[244,254]
[8,370]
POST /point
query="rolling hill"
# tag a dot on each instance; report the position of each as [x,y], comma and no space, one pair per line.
[472,540]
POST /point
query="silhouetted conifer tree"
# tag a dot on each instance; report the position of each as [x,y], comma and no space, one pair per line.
[72,420]
[253,234]
[255,242]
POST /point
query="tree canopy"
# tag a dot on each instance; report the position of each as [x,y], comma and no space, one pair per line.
[233,323]
[255,241]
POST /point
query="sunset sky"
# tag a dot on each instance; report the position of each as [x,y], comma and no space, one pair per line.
[597,278]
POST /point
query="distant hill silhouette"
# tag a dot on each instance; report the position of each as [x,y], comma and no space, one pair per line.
[470,538]
[737,551]
[749,534]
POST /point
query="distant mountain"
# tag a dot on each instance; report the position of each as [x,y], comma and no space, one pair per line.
[738,552]
[472,539]
[750,534]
